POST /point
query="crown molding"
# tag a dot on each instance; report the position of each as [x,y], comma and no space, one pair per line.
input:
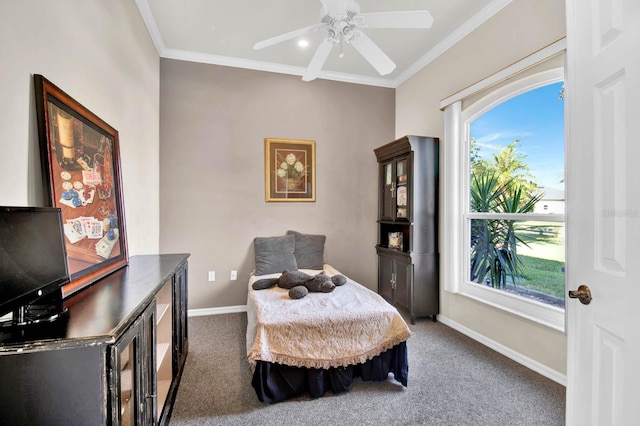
[164,52]
[152,26]
[228,61]
[452,39]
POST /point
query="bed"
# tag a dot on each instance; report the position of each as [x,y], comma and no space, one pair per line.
[323,341]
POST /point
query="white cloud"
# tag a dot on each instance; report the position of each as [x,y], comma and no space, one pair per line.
[501,139]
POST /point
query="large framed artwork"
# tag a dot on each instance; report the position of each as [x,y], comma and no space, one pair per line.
[290,170]
[81,174]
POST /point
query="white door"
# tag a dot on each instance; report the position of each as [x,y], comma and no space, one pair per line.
[603,216]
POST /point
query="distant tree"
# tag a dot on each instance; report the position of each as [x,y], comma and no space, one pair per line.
[478,164]
[508,165]
[511,166]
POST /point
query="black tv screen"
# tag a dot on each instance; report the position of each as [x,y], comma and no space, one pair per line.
[32,255]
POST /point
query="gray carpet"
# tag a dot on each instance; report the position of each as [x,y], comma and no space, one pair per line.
[453,380]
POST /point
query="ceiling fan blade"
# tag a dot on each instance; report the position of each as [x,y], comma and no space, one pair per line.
[318,60]
[334,7]
[288,36]
[403,19]
[373,54]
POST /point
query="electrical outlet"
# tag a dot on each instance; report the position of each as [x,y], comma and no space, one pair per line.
[234,275]
[212,275]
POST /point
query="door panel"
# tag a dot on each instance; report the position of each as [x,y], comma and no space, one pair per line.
[386,275]
[403,286]
[610,173]
[603,211]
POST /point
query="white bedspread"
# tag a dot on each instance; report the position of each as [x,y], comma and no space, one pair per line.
[348,326]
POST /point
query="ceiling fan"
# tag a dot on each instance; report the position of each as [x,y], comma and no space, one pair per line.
[343,21]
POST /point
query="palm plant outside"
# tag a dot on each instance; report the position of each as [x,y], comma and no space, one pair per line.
[501,186]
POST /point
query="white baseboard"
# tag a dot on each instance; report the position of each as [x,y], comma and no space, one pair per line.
[216,311]
[534,365]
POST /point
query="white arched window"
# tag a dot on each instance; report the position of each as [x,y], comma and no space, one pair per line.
[503,189]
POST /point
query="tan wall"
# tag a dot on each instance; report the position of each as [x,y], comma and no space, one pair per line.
[100,53]
[213,123]
[523,27]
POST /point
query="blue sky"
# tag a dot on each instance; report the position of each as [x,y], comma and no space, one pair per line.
[537,118]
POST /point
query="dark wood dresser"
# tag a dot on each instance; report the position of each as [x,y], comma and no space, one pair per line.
[116,359]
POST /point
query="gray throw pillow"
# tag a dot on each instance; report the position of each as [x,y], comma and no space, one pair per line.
[309,250]
[274,254]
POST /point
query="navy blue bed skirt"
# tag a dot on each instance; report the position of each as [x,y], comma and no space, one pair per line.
[276,382]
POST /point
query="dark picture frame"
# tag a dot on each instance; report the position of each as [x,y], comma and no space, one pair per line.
[80,159]
[290,170]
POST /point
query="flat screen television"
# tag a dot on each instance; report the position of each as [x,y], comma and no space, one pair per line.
[33,265]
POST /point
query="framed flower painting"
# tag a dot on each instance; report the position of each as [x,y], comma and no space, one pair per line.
[290,171]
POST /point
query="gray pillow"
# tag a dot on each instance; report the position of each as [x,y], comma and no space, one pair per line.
[274,254]
[309,250]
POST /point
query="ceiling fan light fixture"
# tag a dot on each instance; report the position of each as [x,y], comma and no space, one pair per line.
[342,27]
[342,20]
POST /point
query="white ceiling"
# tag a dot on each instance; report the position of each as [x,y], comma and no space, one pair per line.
[223,32]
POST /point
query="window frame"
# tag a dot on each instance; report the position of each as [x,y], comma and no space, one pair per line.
[456,222]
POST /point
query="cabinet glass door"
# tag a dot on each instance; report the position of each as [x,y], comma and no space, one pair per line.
[127,380]
[402,195]
[395,190]
[131,381]
[164,343]
[181,342]
[388,192]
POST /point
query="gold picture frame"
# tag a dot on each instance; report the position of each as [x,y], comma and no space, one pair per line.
[290,170]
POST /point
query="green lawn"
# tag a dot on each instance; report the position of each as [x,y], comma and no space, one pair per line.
[543,275]
[542,253]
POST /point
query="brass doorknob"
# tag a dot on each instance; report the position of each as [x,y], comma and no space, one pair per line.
[583,294]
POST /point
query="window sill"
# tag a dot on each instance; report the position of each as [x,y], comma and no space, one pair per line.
[541,313]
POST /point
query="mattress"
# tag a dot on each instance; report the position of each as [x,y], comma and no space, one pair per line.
[345,327]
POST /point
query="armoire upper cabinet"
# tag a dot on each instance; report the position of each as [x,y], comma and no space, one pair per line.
[395,200]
